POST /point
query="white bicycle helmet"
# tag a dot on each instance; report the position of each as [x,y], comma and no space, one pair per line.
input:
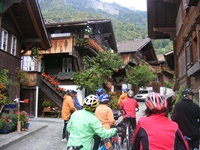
[130,93]
[156,103]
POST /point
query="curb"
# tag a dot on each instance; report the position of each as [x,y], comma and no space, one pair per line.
[11,138]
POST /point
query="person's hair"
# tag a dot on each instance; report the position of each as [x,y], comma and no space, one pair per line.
[149,112]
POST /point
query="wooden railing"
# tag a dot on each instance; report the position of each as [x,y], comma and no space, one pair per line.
[49,90]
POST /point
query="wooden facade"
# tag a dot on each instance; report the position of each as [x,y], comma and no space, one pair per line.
[21,27]
[141,51]
[69,45]
[180,22]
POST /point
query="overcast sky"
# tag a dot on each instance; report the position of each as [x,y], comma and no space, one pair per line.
[136,4]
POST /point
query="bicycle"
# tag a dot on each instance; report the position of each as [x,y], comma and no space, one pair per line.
[113,143]
[128,130]
[116,139]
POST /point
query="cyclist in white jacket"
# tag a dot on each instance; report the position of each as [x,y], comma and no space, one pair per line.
[83,124]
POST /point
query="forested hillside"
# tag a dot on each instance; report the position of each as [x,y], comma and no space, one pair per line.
[127,24]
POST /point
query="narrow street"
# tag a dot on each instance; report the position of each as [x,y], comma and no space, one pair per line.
[50,136]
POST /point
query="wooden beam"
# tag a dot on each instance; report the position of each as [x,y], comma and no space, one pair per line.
[36,40]
[170,30]
[15,22]
[34,21]
[106,34]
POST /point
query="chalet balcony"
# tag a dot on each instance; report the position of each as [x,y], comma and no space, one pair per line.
[157,69]
[88,43]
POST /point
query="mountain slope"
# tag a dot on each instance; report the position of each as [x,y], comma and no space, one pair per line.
[127,24]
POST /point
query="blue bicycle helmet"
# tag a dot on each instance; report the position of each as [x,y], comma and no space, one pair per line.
[100,91]
[104,98]
[69,91]
[125,89]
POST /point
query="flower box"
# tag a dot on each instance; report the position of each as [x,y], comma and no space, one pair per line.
[47,109]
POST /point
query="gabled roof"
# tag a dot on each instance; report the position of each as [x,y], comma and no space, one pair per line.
[26,16]
[142,49]
[103,27]
[132,46]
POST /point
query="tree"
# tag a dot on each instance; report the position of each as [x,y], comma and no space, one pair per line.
[98,70]
[139,75]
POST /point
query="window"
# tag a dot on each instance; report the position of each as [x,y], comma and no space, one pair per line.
[188,53]
[29,64]
[4,40]
[13,45]
[182,65]
[67,65]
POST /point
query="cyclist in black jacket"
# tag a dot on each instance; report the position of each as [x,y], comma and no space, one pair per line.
[187,114]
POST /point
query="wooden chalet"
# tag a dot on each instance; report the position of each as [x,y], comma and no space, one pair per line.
[140,51]
[166,74]
[70,42]
[179,21]
[21,27]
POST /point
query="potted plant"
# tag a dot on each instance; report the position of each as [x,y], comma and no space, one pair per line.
[8,122]
[46,105]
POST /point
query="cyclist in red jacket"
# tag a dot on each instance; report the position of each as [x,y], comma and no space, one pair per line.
[155,131]
[129,105]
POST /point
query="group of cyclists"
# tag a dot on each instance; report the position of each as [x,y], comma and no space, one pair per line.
[88,126]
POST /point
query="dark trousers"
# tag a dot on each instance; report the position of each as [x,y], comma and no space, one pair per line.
[64,135]
[133,125]
[97,142]
[193,144]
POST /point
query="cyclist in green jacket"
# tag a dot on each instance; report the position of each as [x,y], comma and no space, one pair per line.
[83,124]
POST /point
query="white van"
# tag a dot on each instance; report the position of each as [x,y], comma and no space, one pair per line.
[142,94]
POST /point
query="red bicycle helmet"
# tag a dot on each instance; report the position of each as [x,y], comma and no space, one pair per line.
[156,103]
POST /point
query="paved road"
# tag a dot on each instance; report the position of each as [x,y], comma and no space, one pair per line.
[49,137]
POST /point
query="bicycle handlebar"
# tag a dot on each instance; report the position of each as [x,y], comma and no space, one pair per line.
[122,113]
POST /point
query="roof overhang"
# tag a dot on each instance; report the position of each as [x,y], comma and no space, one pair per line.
[28,20]
[161,16]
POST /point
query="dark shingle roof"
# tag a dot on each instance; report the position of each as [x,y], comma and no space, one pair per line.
[132,46]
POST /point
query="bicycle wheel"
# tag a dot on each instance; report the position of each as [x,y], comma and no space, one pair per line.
[116,146]
[128,138]
[131,132]
[115,142]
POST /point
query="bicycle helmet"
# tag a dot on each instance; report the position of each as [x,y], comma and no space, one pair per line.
[100,91]
[69,91]
[104,98]
[130,93]
[125,89]
[90,103]
[74,92]
[186,92]
[156,103]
